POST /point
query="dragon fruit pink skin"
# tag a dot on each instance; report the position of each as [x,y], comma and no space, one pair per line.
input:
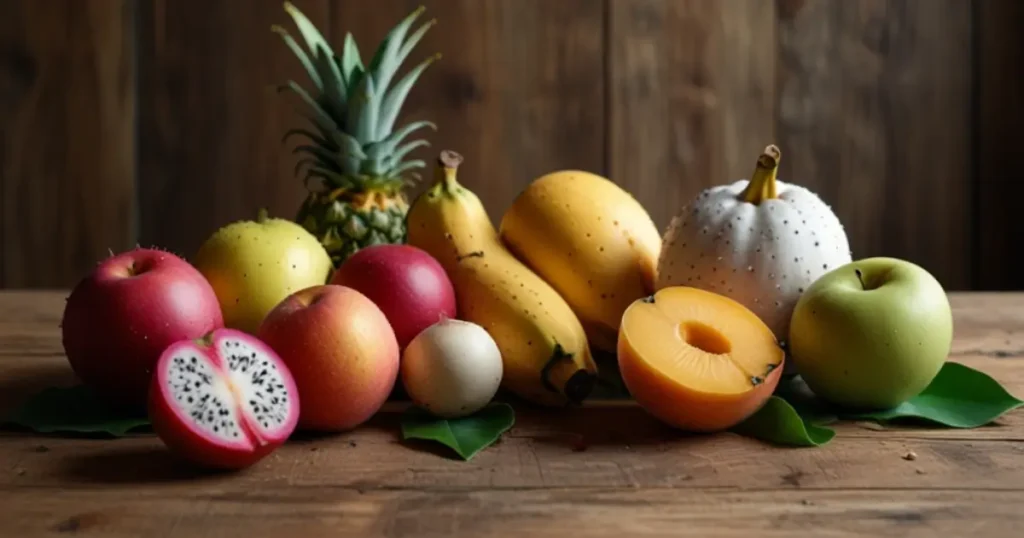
[224,401]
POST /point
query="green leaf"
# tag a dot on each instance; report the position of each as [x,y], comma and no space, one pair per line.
[395,138]
[408,165]
[321,115]
[307,29]
[958,397]
[383,64]
[351,63]
[404,150]
[315,151]
[413,40]
[300,54]
[320,141]
[75,410]
[361,115]
[778,422]
[334,90]
[466,435]
[810,408]
[394,99]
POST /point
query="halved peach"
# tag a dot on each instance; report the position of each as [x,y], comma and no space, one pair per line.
[697,360]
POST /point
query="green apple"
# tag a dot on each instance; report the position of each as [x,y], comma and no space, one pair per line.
[871,334]
[254,265]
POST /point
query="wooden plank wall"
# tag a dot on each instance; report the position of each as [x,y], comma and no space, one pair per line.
[155,121]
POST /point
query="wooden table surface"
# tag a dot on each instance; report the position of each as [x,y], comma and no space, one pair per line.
[596,471]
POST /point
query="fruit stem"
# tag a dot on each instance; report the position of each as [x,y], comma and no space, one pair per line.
[579,386]
[262,215]
[447,167]
[860,277]
[762,184]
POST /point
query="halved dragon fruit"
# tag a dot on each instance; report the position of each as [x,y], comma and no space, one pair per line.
[225,401]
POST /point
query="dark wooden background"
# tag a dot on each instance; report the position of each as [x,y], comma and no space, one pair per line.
[155,121]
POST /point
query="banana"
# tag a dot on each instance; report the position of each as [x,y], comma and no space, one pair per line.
[543,346]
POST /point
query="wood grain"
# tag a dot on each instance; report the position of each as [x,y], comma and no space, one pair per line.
[999,181]
[598,446]
[518,91]
[67,108]
[605,469]
[25,375]
[691,96]
[552,513]
[871,101]
[874,114]
[210,119]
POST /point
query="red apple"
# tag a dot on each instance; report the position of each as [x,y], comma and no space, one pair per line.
[405,282]
[340,350]
[120,318]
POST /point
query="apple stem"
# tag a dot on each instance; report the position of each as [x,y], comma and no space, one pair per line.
[262,215]
[762,185]
[860,277]
[447,166]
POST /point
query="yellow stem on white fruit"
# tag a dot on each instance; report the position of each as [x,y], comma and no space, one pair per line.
[762,185]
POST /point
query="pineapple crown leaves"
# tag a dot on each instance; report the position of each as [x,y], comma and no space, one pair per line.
[353,110]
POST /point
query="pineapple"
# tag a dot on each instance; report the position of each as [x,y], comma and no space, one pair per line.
[355,165]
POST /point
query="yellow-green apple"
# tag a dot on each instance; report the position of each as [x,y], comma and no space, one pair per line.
[122,315]
[253,265]
[342,353]
[872,333]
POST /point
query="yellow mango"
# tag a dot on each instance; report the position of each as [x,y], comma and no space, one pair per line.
[591,240]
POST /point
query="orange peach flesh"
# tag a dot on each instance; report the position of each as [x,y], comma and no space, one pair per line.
[697,360]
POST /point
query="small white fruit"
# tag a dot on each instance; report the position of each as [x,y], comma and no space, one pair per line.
[452,368]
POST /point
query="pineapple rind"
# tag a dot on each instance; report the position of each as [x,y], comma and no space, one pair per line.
[344,229]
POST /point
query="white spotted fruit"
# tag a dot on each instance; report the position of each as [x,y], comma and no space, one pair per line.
[761,243]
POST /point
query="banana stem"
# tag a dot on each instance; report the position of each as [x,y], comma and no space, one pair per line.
[447,166]
[762,184]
